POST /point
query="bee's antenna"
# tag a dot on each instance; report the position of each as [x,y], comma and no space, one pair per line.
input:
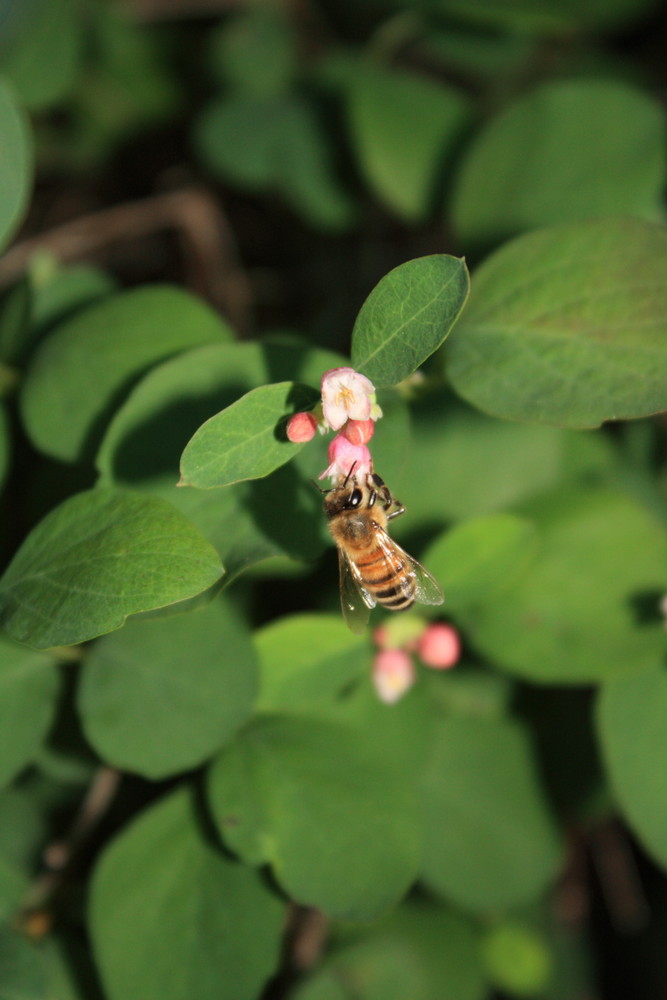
[349,473]
[319,488]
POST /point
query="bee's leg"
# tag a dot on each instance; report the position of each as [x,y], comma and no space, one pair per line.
[387,499]
[395,513]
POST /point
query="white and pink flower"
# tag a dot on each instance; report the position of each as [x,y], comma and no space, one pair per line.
[393,674]
[347,395]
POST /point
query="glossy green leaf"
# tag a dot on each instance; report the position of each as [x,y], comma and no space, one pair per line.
[632,729]
[306,659]
[489,840]
[419,952]
[43,58]
[149,431]
[251,521]
[286,780]
[385,103]
[247,440]
[407,317]
[172,918]
[566,326]
[193,675]
[97,558]
[274,143]
[28,690]
[15,163]
[575,615]
[480,557]
[83,369]
[568,151]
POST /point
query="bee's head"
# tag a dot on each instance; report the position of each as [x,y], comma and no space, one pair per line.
[350,494]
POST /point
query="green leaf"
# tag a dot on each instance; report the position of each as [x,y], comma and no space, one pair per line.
[28,690]
[44,58]
[247,440]
[385,103]
[254,52]
[22,836]
[149,431]
[518,959]
[575,615]
[84,368]
[546,17]
[632,729]
[63,291]
[402,732]
[480,557]
[97,558]
[568,151]
[407,317]
[5,446]
[250,521]
[316,800]
[566,326]
[22,969]
[193,675]
[15,164]
[489,840]
[15,310]
[274,143]
[482,465]
[306,659]
[211,929]
[421,951]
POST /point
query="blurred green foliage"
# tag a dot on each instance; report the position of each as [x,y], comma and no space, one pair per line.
[202,209]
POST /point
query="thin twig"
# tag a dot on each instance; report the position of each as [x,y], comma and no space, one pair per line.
[207,241]
[307,937]
[36,912]
[619,879]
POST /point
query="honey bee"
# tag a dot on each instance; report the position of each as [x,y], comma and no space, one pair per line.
[373,568]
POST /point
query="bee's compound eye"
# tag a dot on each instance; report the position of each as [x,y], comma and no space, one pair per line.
[355,498]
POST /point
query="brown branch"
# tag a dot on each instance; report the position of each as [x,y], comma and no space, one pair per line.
[35,916]
[619,879]
[307,936]
[207,242]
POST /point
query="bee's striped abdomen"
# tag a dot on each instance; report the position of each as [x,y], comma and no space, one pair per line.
[389,583]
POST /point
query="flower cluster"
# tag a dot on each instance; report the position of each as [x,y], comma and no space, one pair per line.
[349,407]
[437,646]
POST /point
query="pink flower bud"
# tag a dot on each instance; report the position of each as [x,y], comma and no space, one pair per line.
[393,674]
[439,646]
[381,637]
[344,456]
[301,427]
[359,431]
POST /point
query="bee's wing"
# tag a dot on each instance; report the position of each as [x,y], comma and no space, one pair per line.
[427,588]
[355,600]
